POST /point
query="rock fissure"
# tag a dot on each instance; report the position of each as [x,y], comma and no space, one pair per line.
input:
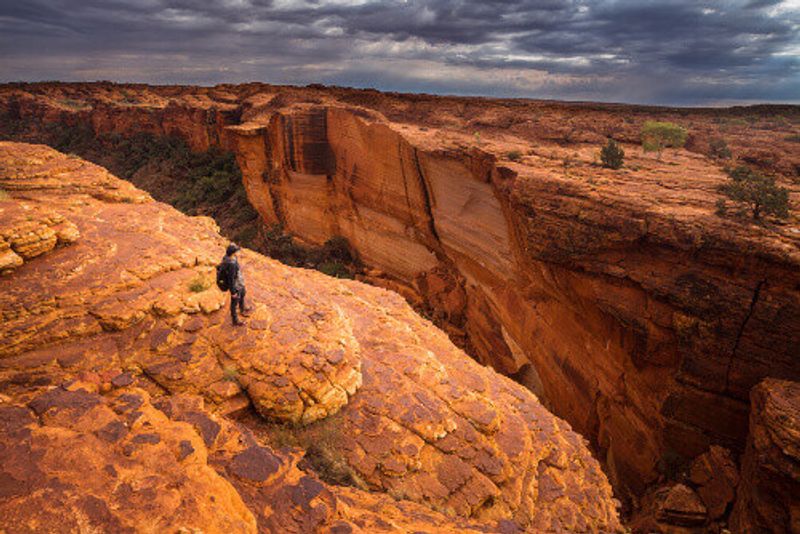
[426,197]
[740,333]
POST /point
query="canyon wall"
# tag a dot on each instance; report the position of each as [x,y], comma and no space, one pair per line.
[624,303]
[644,331]
[123,384]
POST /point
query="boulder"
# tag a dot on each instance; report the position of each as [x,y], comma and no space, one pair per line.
[682,507]
[715,475]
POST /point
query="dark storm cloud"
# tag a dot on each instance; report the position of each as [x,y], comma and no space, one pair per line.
[680,51]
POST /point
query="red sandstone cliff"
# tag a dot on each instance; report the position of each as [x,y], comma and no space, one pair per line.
[119,371]
[619,297]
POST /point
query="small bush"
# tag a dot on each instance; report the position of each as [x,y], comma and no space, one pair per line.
[612,155]
[335,269]
[756,193]
[718,148]
[656,136]
[794,138]
[4,194]
[198,285]
[322,442]
[230,374]
[514,155]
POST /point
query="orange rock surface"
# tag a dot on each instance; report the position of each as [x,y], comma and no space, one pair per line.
[619,297]
[119,372]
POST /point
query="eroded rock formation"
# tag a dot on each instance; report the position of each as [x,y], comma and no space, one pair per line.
[769,492]
[619,297]
[118,367]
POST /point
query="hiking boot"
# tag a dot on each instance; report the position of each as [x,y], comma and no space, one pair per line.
[247,311]
[238,323]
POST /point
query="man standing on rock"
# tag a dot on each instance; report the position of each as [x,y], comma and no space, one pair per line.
[234,279]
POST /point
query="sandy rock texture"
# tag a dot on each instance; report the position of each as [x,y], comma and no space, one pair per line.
[619,297]
[119,372]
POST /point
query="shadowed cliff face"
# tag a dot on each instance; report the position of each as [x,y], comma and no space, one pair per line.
[619,298]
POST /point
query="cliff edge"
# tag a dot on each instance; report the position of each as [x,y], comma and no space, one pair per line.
[122,387]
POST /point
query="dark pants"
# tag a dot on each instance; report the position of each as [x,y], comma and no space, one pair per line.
[237,300]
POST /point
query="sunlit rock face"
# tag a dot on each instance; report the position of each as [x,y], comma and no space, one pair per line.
[619,298]
[120,368]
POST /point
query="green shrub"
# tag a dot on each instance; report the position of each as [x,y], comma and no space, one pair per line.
[78,139]
[514,155]
[612,155]
[280,245]
[338,248]
[334,258]
[198,285]
[718,148]
[230,374]
[656,136]
[4,194]
[756,193]
[247,237]
[335,269]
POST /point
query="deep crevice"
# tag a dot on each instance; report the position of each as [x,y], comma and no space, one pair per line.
[740,333]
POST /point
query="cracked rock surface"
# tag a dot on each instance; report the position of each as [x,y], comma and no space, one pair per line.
[119,367]
[620,297]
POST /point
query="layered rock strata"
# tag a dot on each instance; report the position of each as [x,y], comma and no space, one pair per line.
[619,297]
[118,365]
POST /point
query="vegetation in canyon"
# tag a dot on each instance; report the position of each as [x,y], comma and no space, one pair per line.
[197,183]
[475,233]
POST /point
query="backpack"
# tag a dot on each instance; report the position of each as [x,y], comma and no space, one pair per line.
[222,275]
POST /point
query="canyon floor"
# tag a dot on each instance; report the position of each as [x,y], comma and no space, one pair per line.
[662,333]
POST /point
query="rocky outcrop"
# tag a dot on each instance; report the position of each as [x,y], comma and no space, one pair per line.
[127,462]
[768,499]
[618,297]
[27,235]
[119,369]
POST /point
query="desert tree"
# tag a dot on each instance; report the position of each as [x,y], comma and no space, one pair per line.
[612,156]
[656,136]
[754,192]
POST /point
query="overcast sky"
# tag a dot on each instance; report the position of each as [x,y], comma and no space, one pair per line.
[666,52]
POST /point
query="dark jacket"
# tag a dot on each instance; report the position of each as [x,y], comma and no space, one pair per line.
[234,273]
